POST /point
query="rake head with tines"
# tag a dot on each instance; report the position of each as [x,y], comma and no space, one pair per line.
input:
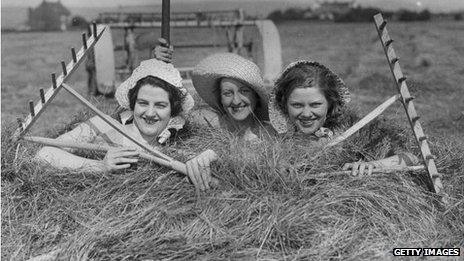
[407,100]
[46,97]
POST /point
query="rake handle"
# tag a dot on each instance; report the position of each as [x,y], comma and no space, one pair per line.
[364,121]
[165,20]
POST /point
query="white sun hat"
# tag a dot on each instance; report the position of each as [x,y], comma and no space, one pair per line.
[208,73]
[158,69]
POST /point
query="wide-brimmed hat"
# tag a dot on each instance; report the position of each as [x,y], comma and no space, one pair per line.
[208,73]
[280,121]
[158,69]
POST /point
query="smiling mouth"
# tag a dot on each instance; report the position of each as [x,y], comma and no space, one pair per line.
[238,108]
[307,122]
[150,121]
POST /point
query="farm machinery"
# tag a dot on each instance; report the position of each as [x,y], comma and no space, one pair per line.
[130,37]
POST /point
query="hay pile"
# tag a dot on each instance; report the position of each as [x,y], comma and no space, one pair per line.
[265,208]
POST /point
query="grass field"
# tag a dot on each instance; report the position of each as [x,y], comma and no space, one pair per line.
[261,212]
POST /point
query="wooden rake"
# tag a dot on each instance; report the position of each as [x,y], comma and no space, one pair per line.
[58,83]
[406,99]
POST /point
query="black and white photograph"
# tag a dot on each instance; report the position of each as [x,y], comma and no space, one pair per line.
[232,130]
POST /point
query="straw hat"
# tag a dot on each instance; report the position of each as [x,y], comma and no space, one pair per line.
[208,73]
[159,69]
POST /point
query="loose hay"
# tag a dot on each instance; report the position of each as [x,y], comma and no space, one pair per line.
[263,208]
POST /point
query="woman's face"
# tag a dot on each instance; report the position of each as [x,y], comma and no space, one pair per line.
[152,111]
[237,99]
[307,109]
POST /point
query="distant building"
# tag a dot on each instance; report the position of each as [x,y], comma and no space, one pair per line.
[48,16]
[326,10]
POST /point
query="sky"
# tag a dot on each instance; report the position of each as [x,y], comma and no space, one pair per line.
[433,5]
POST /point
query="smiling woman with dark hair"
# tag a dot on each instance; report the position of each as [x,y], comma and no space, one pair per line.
[154,100]
[176,97]
[311,98]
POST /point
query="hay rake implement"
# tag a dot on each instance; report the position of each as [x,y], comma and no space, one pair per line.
[59,83]
[433,177]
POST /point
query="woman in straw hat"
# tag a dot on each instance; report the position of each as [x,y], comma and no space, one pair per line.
[234,89]
[311,98]
[154,101]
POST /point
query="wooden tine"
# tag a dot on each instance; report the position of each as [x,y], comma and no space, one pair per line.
[20,124]
[382,25]
[430,157]
[63,67]
[31,108]
[73,54]
[84,41]
[408,99]
[95,33]
[42,95]
[422,138]
[402,79]
[389,42]
[364,121]
[53,80]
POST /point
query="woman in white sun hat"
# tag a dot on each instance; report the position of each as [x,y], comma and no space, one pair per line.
[311,98]
[234,89]
[154,101]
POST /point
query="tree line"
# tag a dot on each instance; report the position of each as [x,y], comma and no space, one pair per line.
[358,14]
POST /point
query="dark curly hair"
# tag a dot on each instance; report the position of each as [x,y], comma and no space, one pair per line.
[309,76]
[176,97]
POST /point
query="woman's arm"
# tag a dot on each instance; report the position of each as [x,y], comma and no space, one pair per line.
[399,160]
[117,158]
[62,159]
